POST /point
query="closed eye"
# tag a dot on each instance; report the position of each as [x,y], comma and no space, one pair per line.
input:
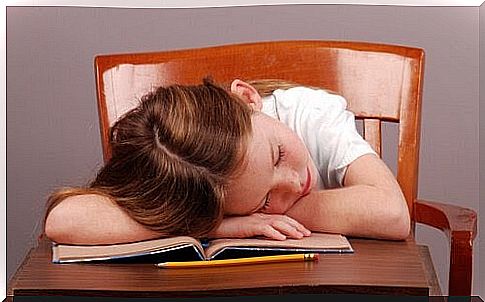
[281,155]
[280,158]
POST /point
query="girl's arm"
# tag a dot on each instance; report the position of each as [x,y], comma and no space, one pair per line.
[370,204]
[93,219]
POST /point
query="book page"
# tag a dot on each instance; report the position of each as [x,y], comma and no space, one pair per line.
[92,251]
[315,241]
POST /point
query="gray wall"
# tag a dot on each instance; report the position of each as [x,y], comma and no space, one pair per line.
[52,128]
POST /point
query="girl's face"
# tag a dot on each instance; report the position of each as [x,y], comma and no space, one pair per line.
[278,171]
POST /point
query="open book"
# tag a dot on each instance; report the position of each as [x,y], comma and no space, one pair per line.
[188,249]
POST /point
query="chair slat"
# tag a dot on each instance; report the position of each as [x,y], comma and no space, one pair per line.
[372,134]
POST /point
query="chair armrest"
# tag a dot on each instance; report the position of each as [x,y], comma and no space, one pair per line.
[460,226]
[451,219]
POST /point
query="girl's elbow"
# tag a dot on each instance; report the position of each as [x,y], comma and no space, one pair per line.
[401,232]
[62,222]
[399,224]
[55,227]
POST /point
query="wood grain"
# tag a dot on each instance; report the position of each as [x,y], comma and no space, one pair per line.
[431,277]
[372,134]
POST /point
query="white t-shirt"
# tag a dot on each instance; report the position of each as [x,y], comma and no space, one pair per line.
[327,129]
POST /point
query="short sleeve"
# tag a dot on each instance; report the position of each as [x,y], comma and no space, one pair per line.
[326,127]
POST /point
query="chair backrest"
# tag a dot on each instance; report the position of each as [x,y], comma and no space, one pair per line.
[380,82]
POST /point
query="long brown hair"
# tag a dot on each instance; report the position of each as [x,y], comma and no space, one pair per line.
[171,158]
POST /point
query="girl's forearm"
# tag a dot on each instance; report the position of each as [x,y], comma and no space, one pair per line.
[93,219]
[358,210]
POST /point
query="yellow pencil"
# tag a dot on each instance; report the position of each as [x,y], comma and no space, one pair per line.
[240,261]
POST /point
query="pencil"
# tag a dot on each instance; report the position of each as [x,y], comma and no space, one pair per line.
[240,261]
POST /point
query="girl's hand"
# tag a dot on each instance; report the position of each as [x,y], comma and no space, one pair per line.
[278,227]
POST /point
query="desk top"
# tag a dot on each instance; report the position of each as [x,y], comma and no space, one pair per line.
[376,267]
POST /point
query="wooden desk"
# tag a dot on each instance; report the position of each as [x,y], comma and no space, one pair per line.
[376,267]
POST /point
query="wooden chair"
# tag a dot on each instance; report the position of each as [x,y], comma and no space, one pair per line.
[382,83]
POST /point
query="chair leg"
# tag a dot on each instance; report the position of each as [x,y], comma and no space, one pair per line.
[461,264]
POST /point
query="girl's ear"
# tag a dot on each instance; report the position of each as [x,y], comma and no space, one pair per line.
[248,93]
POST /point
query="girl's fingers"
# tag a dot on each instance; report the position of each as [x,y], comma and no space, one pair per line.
[300,227]
[288,229]
[271,232]
[280,227]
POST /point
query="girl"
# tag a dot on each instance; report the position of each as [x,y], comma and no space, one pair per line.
[205,161]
